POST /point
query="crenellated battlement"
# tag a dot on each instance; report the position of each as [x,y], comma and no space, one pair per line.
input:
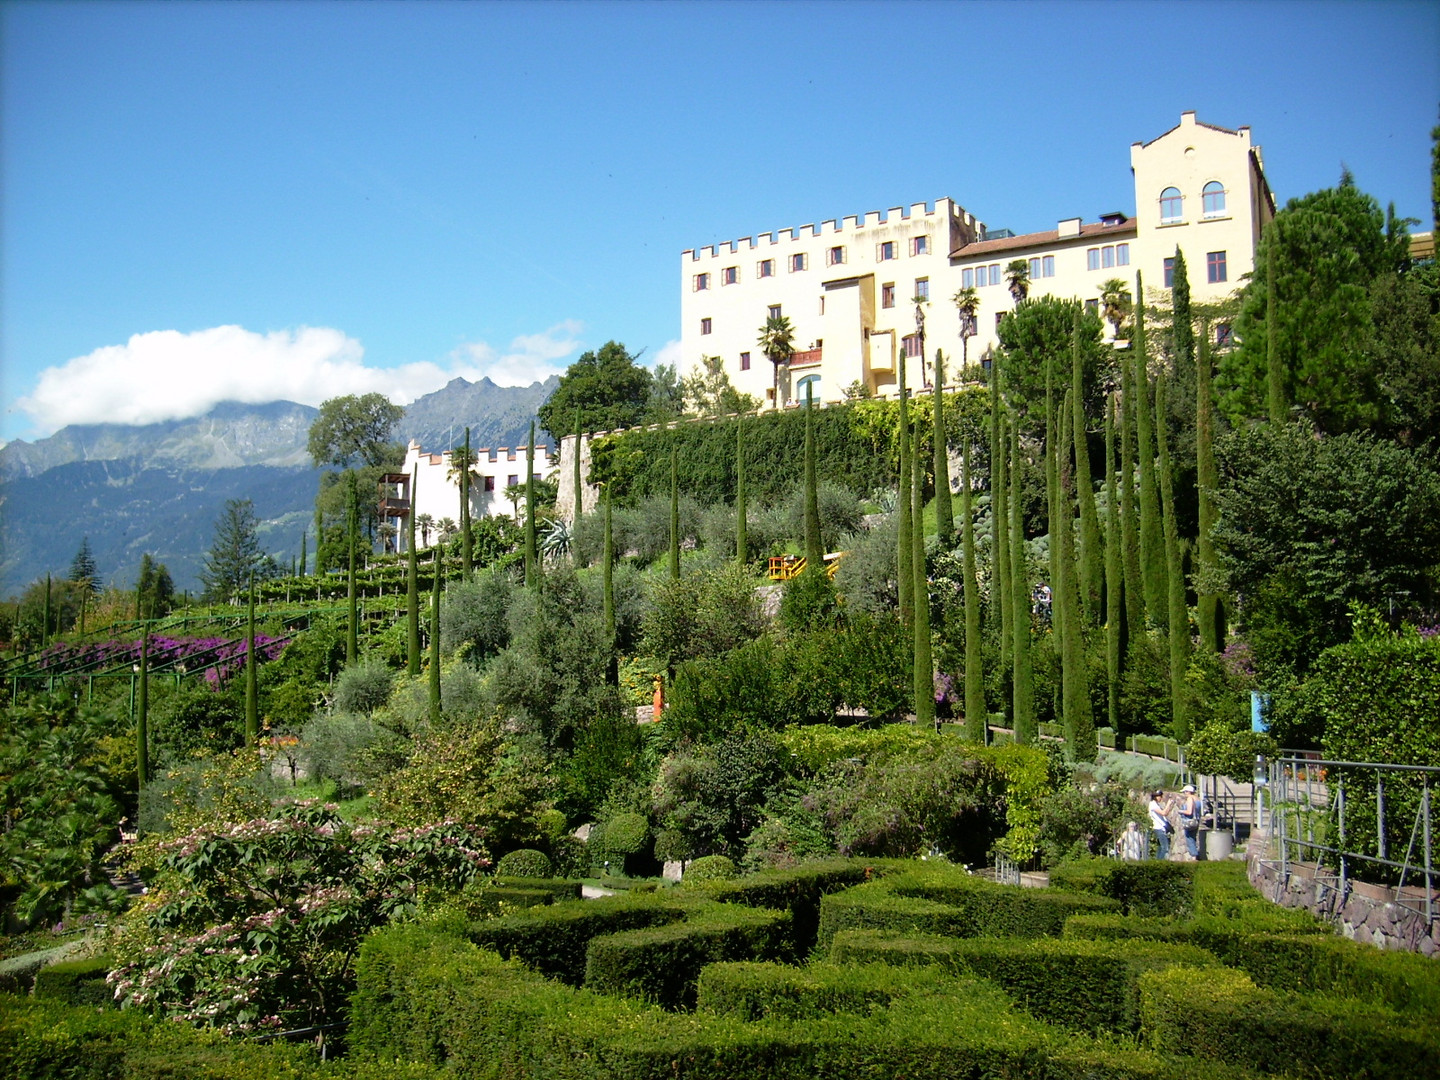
[943,213]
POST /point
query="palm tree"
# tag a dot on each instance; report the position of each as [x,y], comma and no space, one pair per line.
[515,492]
[447,528]
[424,523]
[967,303]
[1115,302]
[777,342]
[1017,279]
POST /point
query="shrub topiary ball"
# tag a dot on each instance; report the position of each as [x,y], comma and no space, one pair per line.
[709,868]
[523,863]
[625,834]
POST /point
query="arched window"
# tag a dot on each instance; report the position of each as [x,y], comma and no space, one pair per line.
[1212,199]
[811,383]
[1172,206]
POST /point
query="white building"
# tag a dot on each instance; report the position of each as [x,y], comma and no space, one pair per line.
[847,286]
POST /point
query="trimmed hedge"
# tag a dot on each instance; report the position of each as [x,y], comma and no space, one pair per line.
[778,991]
[873,907]
[1229,939]
[558,888]
[1152,887]
[662,964]
[76,982]
[17,973]
[709,868]
[997,910]
[894,948]
[1222,1015]
[553,940]
[524,863]
[797,891]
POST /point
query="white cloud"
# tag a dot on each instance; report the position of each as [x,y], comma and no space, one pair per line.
[670,354]
[169,375]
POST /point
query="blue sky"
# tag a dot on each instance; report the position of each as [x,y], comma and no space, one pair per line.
[202,201]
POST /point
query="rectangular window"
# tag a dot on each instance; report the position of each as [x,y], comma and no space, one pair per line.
[704,326]
[773,311]
[835,256]
[922,288]
[730,275]
[1092,259]
[1107,257]
[911,342]
[887,295]
[887,251]
[1092,306]
[994,273]
[513,480]
[967,279]
[744,361]
[1034,269]
[1215,267]
[799,261]
[1223,335]
[1169,273]
[766,268]
[822,304]
[1122,254]
[998,316]
[920,245]
[702,282]
[1047,266]
[489,483]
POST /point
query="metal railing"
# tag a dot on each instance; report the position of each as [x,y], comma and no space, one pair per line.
[1317,806]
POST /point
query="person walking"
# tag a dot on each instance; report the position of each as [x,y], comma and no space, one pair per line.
[1190,820]
[1160,825]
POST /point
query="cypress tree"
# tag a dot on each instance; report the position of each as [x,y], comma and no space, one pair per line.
[352,625]
[252,704]
[579,487]
[1000,555]
[905,548]
[612,668]
[304,540]
[1211,610]
[1177,618]
[1274,373]
[814,549]
[944,508]
[1133,590]
[923,662]
[1024,684]
[319,539]
[1092,569]
[412,586]
[1152,540]
[742,541]
[976,726]
[45,628]
[435,649]
[1075,677]
[142,721]
[467,542]
[1114,574]
[1056,550]
[532,566]
[674,516]
[1182,329]
[997,617]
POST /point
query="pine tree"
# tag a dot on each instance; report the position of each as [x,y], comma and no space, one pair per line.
[467,536]
[742,541]
[1092,569]
[1024,685]
[532,566]
[434,681]
[1179,623]
[944,508]
[976,718]
[252,704]
[674,516]
[1114,574]
[1211,610]
[924,668]
[82,568]
[1152,540]
[352,626]
[905,548]
[234,556]
[412,586]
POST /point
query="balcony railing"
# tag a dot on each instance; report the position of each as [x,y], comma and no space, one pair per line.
[806,358]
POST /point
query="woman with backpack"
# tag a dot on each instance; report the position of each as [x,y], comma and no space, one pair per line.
[1190,820]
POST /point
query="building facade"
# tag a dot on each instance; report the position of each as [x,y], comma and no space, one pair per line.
[848,287]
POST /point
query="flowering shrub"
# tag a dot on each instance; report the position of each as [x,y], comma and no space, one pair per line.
[257,924]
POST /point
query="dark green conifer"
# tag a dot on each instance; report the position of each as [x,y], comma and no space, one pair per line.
[1091,565]
[1211,610]
[532,564]
[434,682]
[814,549]
[944,508]
[1079,721]
[252,704]
[1152,539]
[612,668]
[1024,683]
[412,585]
[905,548]
[742,541]
[352,625]
[1274,371]
[976,719]
[924,668]
[674,516]
[142,719]
[304,554]
[1177,618]
[1114,574]
[1133,591]
[579,486]
[467,536]
[1001,594]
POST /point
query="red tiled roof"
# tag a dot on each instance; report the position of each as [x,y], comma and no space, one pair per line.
[1042,239]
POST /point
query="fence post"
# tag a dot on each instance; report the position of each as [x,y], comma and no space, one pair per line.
[1429,880]
[1380,812]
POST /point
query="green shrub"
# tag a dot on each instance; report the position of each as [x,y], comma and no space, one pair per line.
[1219,750]
[76,982]
[874,907]
[553,940]
[523,863]
[558,888]
[1406,982]
[893,948]
[998,910]
[17,973]
[1222,1015]
[625,834]
[709,868]
[1152,887]
[762,991]
[797,890]
[662,964]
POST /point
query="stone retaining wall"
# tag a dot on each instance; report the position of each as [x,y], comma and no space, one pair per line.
[1366,912]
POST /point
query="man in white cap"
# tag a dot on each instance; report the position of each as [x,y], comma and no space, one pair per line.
[1190,820]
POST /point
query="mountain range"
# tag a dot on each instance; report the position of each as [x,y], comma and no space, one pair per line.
[158,488]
